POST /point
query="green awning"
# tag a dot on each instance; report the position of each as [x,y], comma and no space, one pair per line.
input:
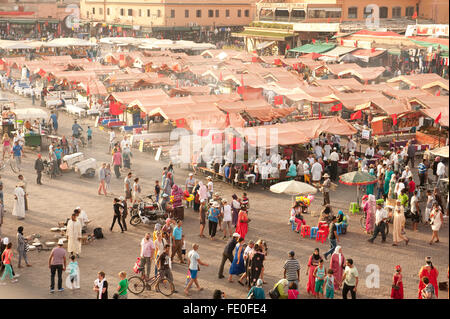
[23,21]
[278,36]
[444,48]
[314,48]
[123,26]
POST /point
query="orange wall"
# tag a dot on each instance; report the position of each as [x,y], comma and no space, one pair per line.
[361,4]
[437,10]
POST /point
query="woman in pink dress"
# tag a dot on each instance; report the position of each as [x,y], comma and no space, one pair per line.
[369,208]
[397,284]
[6,145]
[313,262]
[337,263]
[432,273]
[242,223]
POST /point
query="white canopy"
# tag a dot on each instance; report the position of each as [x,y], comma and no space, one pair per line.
[30,113]
[67,42]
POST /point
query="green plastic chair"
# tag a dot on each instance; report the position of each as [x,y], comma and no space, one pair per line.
[354,208]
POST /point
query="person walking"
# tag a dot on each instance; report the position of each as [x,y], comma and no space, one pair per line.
[189,187]
[128,182]
[193,264]
[124,213]
[117,162]
[430,272]
[126,156]
[6,258]
[228,253]
[6,141]
[57,263]
[227,218]
[117,214]
[337,264]
[17,152]
[136,191]
[326,189]
[102,177]
[213,219]
[147,254]
[292,269]
[74,235]
[436,221]
[39,167]
[397,284]
[349,280]
[332,236]
[380,223]
[242,223]
[19,203]
[319,275]
[108,178]
[399,222]
[177,241]
[22,243]
[202,214]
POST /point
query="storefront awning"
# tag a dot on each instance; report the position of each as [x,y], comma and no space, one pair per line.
[23,21]
[314,48]
[274,36]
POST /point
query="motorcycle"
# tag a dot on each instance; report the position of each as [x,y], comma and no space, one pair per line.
[147,213]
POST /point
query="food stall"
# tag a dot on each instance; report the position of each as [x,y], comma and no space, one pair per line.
[33,134]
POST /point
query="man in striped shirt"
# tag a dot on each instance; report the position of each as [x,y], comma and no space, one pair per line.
[292,269]
[422,173]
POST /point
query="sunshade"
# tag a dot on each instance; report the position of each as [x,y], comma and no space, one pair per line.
[441,151]
[30,113]
[316,48]
[293,188]
[357,178]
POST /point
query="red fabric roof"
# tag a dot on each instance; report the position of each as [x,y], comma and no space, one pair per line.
[431,40]
[16,13]
[369,53]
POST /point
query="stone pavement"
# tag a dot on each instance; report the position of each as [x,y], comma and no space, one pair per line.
[56,199]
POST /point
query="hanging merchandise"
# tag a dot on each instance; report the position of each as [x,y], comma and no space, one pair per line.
[217,138]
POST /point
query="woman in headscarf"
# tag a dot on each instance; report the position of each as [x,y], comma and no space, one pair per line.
[21,247]
[292,172]
[203,191]
[257,291]
[337,263]
[431,273]
[313,262]
[399,221]
[369,188]
[387,179]
[235,208]
[242,223]
[370,213]
[178,207]
[397,284]
[392,183]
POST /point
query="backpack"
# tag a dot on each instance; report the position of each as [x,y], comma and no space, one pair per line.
[274,293]
[98,234]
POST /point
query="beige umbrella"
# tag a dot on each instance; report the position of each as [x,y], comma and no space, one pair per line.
[293,188]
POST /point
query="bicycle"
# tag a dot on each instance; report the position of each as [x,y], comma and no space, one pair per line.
[137,284]
[11,162]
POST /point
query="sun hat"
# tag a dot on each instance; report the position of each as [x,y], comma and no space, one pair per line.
[236,235]
[216,205]
[60,242]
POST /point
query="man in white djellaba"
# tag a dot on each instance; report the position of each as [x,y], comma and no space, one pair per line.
[19,203]
[74,235]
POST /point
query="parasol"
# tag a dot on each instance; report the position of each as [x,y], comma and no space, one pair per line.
[293,188]
[358,178]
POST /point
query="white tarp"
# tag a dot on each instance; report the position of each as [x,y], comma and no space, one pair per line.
[30,114]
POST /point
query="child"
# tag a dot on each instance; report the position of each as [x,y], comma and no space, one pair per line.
[73,280]
[183,248]
[329,285]
[293,292]
[6,260]
[157,190]
[319,274]
[245,201]
[89,134]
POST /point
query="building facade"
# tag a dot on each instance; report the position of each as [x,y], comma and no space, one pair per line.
[170,14]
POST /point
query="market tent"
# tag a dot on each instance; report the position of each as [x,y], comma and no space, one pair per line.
[293,188]
[425,43]
[347,84]
[366,54]
[431,102]
[67,42]
[357,101]
[190,90]
[421,80]
[349,58]
[334,54]
[129,96]
[96,87]
[440,151]
[434,113]
[313,48]
[405,94]
[30,114]
[390,106]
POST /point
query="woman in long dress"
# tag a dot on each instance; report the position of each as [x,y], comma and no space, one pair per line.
[436,222]
[237,266]
[136,191]
[256,265]
[399,221]
[432,273]
[397,284]
[108,178]
[313,262]
[242,223]
[19,203]
[292,172]
[337,263]
[74,236]
[369,208]
[369,188]
[203,191]
[387,179]
[392,183]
